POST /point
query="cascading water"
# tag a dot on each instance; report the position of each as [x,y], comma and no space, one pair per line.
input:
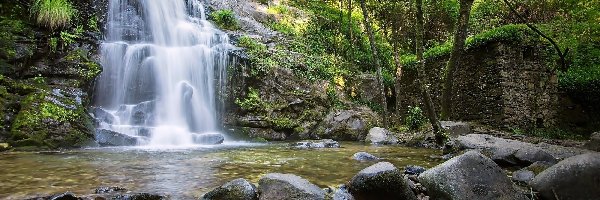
[163,65]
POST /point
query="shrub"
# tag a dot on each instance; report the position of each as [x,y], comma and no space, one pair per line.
[414,118]
[225,19]
[53,13]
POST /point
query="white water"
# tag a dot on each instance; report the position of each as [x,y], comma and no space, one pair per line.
[163,67]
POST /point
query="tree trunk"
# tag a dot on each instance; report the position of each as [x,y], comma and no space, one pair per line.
[422,82]
[381,89]
[460,35]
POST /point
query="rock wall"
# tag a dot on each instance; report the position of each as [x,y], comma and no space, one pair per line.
[46,76]
[501,84]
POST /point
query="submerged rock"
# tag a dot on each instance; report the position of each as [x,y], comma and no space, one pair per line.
[342,193]
[111,189]
[469,176]
[379,135]
[413,170]
[238,189]
[111,138]
[577,177]
[380,181]
[208,138]
[314,144]
[364,156]
[277,186]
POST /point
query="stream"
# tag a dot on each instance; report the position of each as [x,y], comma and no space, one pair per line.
[187,173]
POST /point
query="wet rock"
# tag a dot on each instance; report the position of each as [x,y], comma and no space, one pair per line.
[364,156]
[456,128]
[63,196]
[208,138]
[508,153]
[527,156]
[317,144]
[480,178]
[577,177]
[342,194]
[142,196]
[266,133]
[350,125]
[102,116]
[594,143]
[380,181]
[111,189]
[523,176]
[238,189]
[277,186]
[111,138]
[414,170]
[379,135]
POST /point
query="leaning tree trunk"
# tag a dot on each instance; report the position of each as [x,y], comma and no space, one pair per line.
[381,89]
[459,45]
[421,81]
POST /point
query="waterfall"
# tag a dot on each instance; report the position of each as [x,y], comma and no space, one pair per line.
[163,66]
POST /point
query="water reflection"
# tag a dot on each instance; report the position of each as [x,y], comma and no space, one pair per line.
[185,173]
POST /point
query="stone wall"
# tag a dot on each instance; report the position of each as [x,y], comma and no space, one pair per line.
[500,84]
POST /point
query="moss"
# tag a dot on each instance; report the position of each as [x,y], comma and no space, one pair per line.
[87,69]
[280,123]
[47,120]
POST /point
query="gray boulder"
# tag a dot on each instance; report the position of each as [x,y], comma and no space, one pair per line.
[349,125]
[456,128]
[238,189]
[380,181]
[364,156]
[576,177]
[469,176]
[379,135]
[208,138]
[111,138]
[523,176]
[594,143]
[317,144]
[528,156]
[342,194]
[277,186]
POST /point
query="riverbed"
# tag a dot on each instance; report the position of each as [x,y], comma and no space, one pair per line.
[187,173]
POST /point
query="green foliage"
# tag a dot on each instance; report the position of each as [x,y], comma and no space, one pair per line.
[53,13]
[225,19]
[252,101]
[415,118]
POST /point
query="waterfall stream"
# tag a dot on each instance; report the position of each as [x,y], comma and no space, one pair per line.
[164,64]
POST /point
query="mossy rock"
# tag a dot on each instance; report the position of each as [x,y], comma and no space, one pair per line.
[53,120]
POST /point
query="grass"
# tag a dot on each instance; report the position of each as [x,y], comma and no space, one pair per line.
[53,13]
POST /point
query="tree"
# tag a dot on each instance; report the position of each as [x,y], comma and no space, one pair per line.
[431,113]
[370,33]
[460,36]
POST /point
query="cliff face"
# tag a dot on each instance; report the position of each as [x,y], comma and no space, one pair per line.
[47,76]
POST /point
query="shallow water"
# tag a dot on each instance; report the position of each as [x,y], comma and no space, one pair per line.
[187,173]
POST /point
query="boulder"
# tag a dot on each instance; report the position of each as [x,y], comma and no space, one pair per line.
[349,125]
[364,156]
[523,176]
[141,196]
[594,143]
[102,116]
[527,156]
[111,189]
[380,181]
[238,189]
[111,138]
[277,186]
[469,176]
[63,196]
[456,128]
[577,177]
[208,138]
[509,153]
[316,144]
[380,136]
[342,194]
